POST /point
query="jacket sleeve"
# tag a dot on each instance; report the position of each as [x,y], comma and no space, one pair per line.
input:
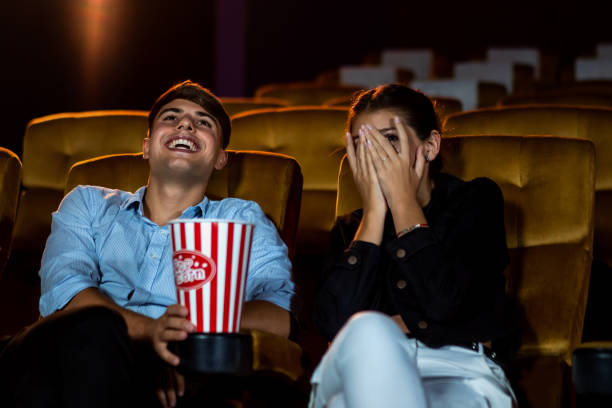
[348,280]
[459,262]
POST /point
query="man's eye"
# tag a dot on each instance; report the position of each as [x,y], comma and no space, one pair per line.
[169,117]
[205,123]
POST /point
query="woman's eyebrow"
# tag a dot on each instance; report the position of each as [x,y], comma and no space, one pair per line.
[386,129]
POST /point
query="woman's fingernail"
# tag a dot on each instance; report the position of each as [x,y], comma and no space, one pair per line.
[396,119]
[368,142]
[370,127]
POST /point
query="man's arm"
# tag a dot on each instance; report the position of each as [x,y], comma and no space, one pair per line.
[171,326]
[266,316]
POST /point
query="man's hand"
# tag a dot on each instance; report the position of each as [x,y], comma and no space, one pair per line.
[171,326]
[171,385]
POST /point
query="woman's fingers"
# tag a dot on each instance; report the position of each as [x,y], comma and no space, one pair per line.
[419,164]
[402,135]
[386,149]
[350,152]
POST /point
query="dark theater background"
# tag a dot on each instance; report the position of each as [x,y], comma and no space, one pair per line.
[76,55]
[82,55]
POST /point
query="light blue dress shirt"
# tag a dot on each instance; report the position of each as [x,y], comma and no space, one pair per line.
[100,238]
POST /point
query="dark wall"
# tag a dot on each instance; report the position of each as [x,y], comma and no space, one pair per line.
[144,46]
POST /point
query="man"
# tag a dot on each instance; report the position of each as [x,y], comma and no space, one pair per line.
[111,248]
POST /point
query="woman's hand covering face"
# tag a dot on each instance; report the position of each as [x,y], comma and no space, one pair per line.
[362,166]
[399,172]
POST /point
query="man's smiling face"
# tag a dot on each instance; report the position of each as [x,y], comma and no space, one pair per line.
[184,139]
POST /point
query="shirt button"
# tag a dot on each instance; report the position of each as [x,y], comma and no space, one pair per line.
[423,325]
[400,253]
[352,260]
[401,284]
[153,256]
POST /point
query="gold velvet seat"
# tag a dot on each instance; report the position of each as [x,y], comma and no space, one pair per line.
[547,184]
[274,181]
[304,93]
[559,98]
[314,136]
[444,106]
[589,123]
[10,180]
[238,105]
[51,145]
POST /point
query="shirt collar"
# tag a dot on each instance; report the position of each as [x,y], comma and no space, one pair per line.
[136,200]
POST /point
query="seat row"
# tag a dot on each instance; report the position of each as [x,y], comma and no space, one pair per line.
[543,159]
[549,222]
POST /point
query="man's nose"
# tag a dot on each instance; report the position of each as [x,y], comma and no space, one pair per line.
[185,123]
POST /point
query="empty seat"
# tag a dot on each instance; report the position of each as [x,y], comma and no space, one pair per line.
[238,105]
[274,181]
[547,184]
[559,98]
[471,92]
[420,62]
[588,123]
[304,93]
[372,76]
[10,181]
[514,76]
[51,145]
[315,137]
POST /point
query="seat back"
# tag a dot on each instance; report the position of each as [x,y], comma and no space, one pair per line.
[10,180]
[304,93]
[547,184]
[238,105]
[314,136]
[559,98]
[590,123]
[274,181]
[54,143]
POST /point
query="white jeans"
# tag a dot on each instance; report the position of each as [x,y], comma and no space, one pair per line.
[371,363]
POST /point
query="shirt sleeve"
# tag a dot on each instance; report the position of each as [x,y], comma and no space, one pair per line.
[349,279]
[69,263]
[269,274]
[463,261]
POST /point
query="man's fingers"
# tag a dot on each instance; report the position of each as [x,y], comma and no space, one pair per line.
[177,323]
[161,395]
[402,134]
[180,383]
[177,310]
[162,351]
[172,335]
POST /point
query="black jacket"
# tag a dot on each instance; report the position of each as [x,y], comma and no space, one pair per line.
[447,281]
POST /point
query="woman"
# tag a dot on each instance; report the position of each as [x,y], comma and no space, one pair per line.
[425,257]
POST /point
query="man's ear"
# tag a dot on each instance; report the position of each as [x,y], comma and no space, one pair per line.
[432,145]
[145,147]
[221,160]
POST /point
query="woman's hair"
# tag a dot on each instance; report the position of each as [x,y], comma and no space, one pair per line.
[414,107]
[195,93]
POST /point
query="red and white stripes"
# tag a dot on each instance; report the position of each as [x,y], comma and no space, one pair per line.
[218,248]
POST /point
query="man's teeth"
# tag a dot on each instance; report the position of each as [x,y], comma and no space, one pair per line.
[182,144]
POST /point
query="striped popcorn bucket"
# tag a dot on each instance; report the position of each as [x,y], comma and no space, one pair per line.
[210,259]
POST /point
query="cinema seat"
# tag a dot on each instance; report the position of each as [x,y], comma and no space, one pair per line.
[548,187]
[10,180]
[238,105]
[51,145]
[559,98]
[589,123]
[304,93]
[272,180]
[444,106]
[314,137]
